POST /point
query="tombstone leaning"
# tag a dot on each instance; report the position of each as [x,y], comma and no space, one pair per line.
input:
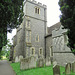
[56,70]
[68,69]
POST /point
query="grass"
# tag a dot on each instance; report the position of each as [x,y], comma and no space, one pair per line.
[37,71]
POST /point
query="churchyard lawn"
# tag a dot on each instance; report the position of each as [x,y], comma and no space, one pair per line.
[36,71]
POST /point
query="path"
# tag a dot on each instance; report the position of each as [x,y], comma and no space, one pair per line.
[5,68]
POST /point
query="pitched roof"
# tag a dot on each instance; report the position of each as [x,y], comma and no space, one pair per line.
[50,29]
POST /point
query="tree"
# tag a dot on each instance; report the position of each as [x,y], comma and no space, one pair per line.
[67,19]
[6,50]
[11,13]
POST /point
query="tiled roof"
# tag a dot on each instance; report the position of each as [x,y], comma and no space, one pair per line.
[57,26]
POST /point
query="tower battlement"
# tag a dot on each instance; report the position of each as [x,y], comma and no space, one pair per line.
[37,3]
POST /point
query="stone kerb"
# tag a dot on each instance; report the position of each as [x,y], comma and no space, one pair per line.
[56,70]
[73,67]
[48,61]
[67,68]
[40,62]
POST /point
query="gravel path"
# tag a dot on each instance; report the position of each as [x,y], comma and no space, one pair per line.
[5,68]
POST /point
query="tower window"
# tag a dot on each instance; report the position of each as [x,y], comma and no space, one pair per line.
[37,10]
[37,38]
[32,51]
[28,23]
[28,36]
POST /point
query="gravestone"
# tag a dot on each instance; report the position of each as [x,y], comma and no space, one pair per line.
[24,64]
[32,62]
[68,69]
[48,61]
[40,62]
[56,70]
[54,63]
[73,67]
[16,59]
[20,57]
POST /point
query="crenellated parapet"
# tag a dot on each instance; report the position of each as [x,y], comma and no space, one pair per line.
[37,3]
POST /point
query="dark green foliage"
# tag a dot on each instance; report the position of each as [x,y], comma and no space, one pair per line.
[11,13]
[67,19]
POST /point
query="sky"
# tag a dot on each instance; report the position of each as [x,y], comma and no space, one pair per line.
[53,14]
[53,11]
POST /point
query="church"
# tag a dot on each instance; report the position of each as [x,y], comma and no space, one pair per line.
[33,37]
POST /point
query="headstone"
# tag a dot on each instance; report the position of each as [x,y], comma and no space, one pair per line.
[54,63]
[24,64]
[16,59]
[56,70]
[40,62]
[32,62]
[73,67]
[20,57]
[68,69]
[48,61]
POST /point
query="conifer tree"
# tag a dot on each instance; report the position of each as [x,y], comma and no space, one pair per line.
[67,19]
[11,13]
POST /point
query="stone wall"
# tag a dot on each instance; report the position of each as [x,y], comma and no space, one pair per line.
[48,45]
[37,27]
[61,53]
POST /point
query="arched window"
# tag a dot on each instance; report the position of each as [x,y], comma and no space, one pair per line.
[37,38]
[37,10]
[27,23]
[32,51]
[40,51]
[51,51]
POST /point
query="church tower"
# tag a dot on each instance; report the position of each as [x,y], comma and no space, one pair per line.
[33,30]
